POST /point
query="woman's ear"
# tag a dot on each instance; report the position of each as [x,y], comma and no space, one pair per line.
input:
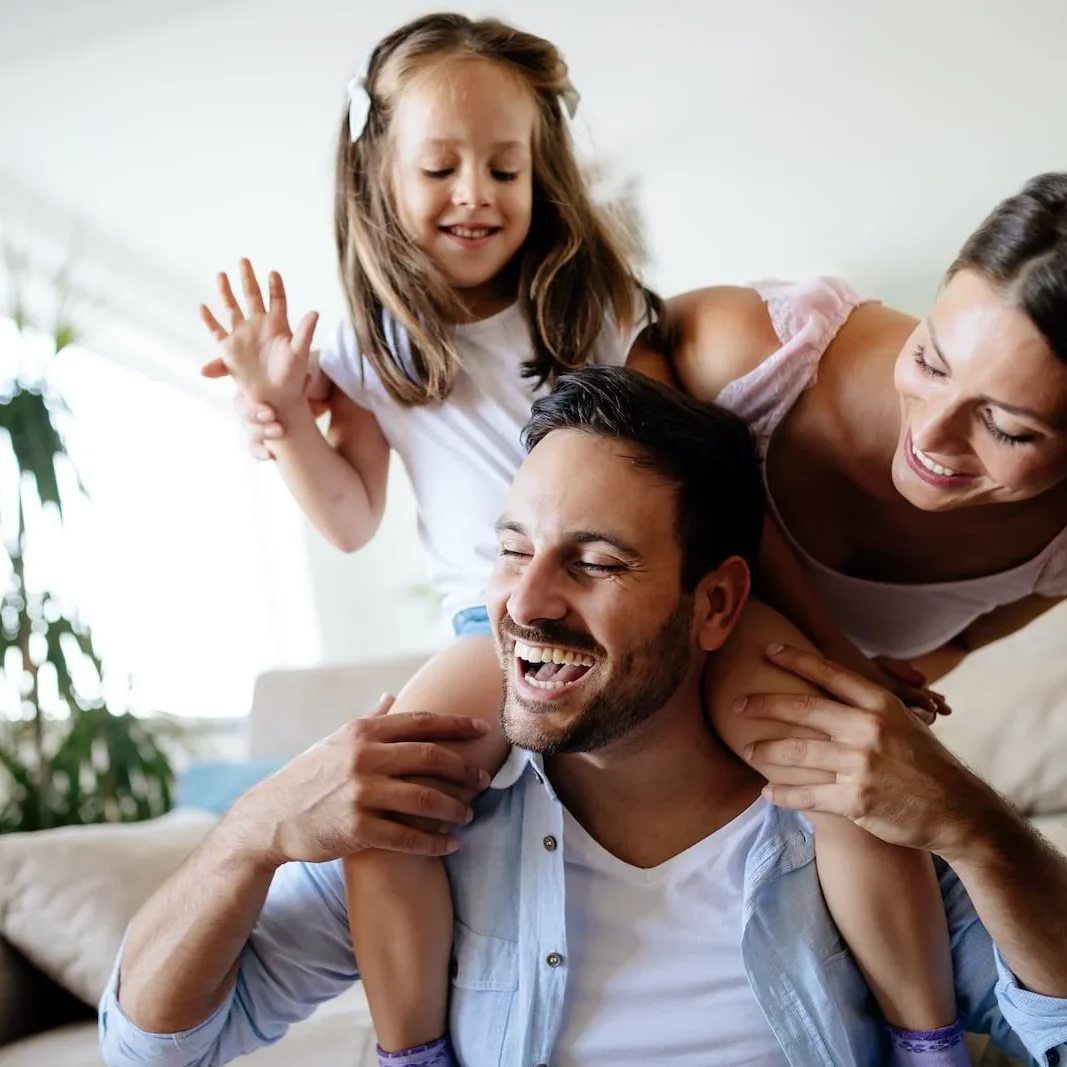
[719,598]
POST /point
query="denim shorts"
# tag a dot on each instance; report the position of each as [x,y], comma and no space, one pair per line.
[471,622]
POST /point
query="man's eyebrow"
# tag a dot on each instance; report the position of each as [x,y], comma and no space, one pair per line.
[1014,409]
[578,537]
[506,525]
[590,537]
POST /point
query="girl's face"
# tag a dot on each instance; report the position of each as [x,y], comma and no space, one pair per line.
[462,167]
[983,404]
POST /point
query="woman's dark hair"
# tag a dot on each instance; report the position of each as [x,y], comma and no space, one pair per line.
[1022,248]
[707,452]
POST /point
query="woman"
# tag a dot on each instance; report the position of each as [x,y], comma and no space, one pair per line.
[917,468]
[917,486]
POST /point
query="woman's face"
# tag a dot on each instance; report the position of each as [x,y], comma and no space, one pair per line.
[983,404]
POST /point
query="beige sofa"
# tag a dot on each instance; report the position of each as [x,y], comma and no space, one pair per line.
[66,895]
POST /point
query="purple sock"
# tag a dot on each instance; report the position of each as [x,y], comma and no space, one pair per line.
[436,1054]
[928,1048]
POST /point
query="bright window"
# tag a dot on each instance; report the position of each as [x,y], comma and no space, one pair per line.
[165,561]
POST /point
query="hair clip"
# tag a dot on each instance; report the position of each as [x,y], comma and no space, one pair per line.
[358,107]
[569,97]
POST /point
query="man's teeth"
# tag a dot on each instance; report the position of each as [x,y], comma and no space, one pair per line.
[536,654]
[470,232]
[929,464]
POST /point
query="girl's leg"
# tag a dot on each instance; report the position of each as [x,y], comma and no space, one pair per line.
[884,899]
[399,906]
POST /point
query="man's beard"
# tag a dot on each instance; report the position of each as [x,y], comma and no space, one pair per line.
[640,684]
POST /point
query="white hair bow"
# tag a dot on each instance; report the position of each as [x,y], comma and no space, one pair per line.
[569,97]
[358,106]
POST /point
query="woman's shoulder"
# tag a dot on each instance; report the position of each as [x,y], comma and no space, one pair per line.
[726,333]
[721,333]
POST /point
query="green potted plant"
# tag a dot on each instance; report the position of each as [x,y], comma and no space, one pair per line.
[65,756]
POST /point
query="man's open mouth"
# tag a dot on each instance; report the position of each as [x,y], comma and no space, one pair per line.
[550,668]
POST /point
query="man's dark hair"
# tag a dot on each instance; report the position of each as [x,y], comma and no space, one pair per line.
[707,452]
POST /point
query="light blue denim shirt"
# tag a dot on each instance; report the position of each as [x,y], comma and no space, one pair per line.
[509,970]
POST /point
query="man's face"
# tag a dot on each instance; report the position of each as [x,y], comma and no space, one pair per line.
[592,628]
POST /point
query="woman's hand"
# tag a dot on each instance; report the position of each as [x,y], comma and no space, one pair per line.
[908,684]
[903,680]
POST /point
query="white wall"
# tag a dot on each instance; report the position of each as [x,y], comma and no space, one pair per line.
[771,138]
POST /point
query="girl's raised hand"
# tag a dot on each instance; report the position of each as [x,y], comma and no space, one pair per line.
[268,361]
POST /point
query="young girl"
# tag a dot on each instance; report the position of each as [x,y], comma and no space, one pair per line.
[476,270]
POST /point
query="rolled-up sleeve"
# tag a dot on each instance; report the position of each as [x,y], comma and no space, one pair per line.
[991,1001]
[1039,1021]
[299,955]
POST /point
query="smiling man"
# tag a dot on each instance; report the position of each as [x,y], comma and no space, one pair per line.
[625,895]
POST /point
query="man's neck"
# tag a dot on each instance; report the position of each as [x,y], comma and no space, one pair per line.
[658,791]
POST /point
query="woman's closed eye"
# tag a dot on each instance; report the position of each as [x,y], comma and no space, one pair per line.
[924,366]
[1000,435]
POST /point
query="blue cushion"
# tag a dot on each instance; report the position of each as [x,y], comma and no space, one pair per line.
[214,785]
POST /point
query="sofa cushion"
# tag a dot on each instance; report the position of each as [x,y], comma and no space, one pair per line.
[1009,720]
[67,895]
[214,785]
[29,1001]
[339,1034]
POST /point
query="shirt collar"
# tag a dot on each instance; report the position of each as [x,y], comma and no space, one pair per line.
[521,761]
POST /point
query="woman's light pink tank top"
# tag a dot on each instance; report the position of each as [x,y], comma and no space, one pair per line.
[882,618]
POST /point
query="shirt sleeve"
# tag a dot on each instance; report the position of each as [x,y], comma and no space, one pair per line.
[299,955]
[1026,1026]
[342,362]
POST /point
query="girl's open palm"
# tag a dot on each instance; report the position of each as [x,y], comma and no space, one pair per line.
[268,361]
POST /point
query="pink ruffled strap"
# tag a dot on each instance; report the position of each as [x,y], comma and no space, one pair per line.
[806,318]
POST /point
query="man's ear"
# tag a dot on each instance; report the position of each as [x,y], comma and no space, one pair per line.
[719,598]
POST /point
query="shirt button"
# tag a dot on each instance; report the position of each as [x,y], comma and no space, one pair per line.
[1053,1057]
[554,959]
[550,846]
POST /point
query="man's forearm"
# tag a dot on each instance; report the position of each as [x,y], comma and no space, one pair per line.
[184,946]
[1018,884]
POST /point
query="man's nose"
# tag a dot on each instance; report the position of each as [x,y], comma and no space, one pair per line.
[536,595]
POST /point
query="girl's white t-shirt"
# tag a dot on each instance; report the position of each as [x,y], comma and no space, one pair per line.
[461,454]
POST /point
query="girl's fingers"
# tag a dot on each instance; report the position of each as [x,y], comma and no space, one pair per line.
[218,331]
[215,369]
[229,301]
[250,285]
[304,332]
[278,304]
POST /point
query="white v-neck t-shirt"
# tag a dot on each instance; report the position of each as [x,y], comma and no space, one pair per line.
[654,966]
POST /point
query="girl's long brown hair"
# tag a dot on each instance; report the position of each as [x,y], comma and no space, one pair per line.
[573,277]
